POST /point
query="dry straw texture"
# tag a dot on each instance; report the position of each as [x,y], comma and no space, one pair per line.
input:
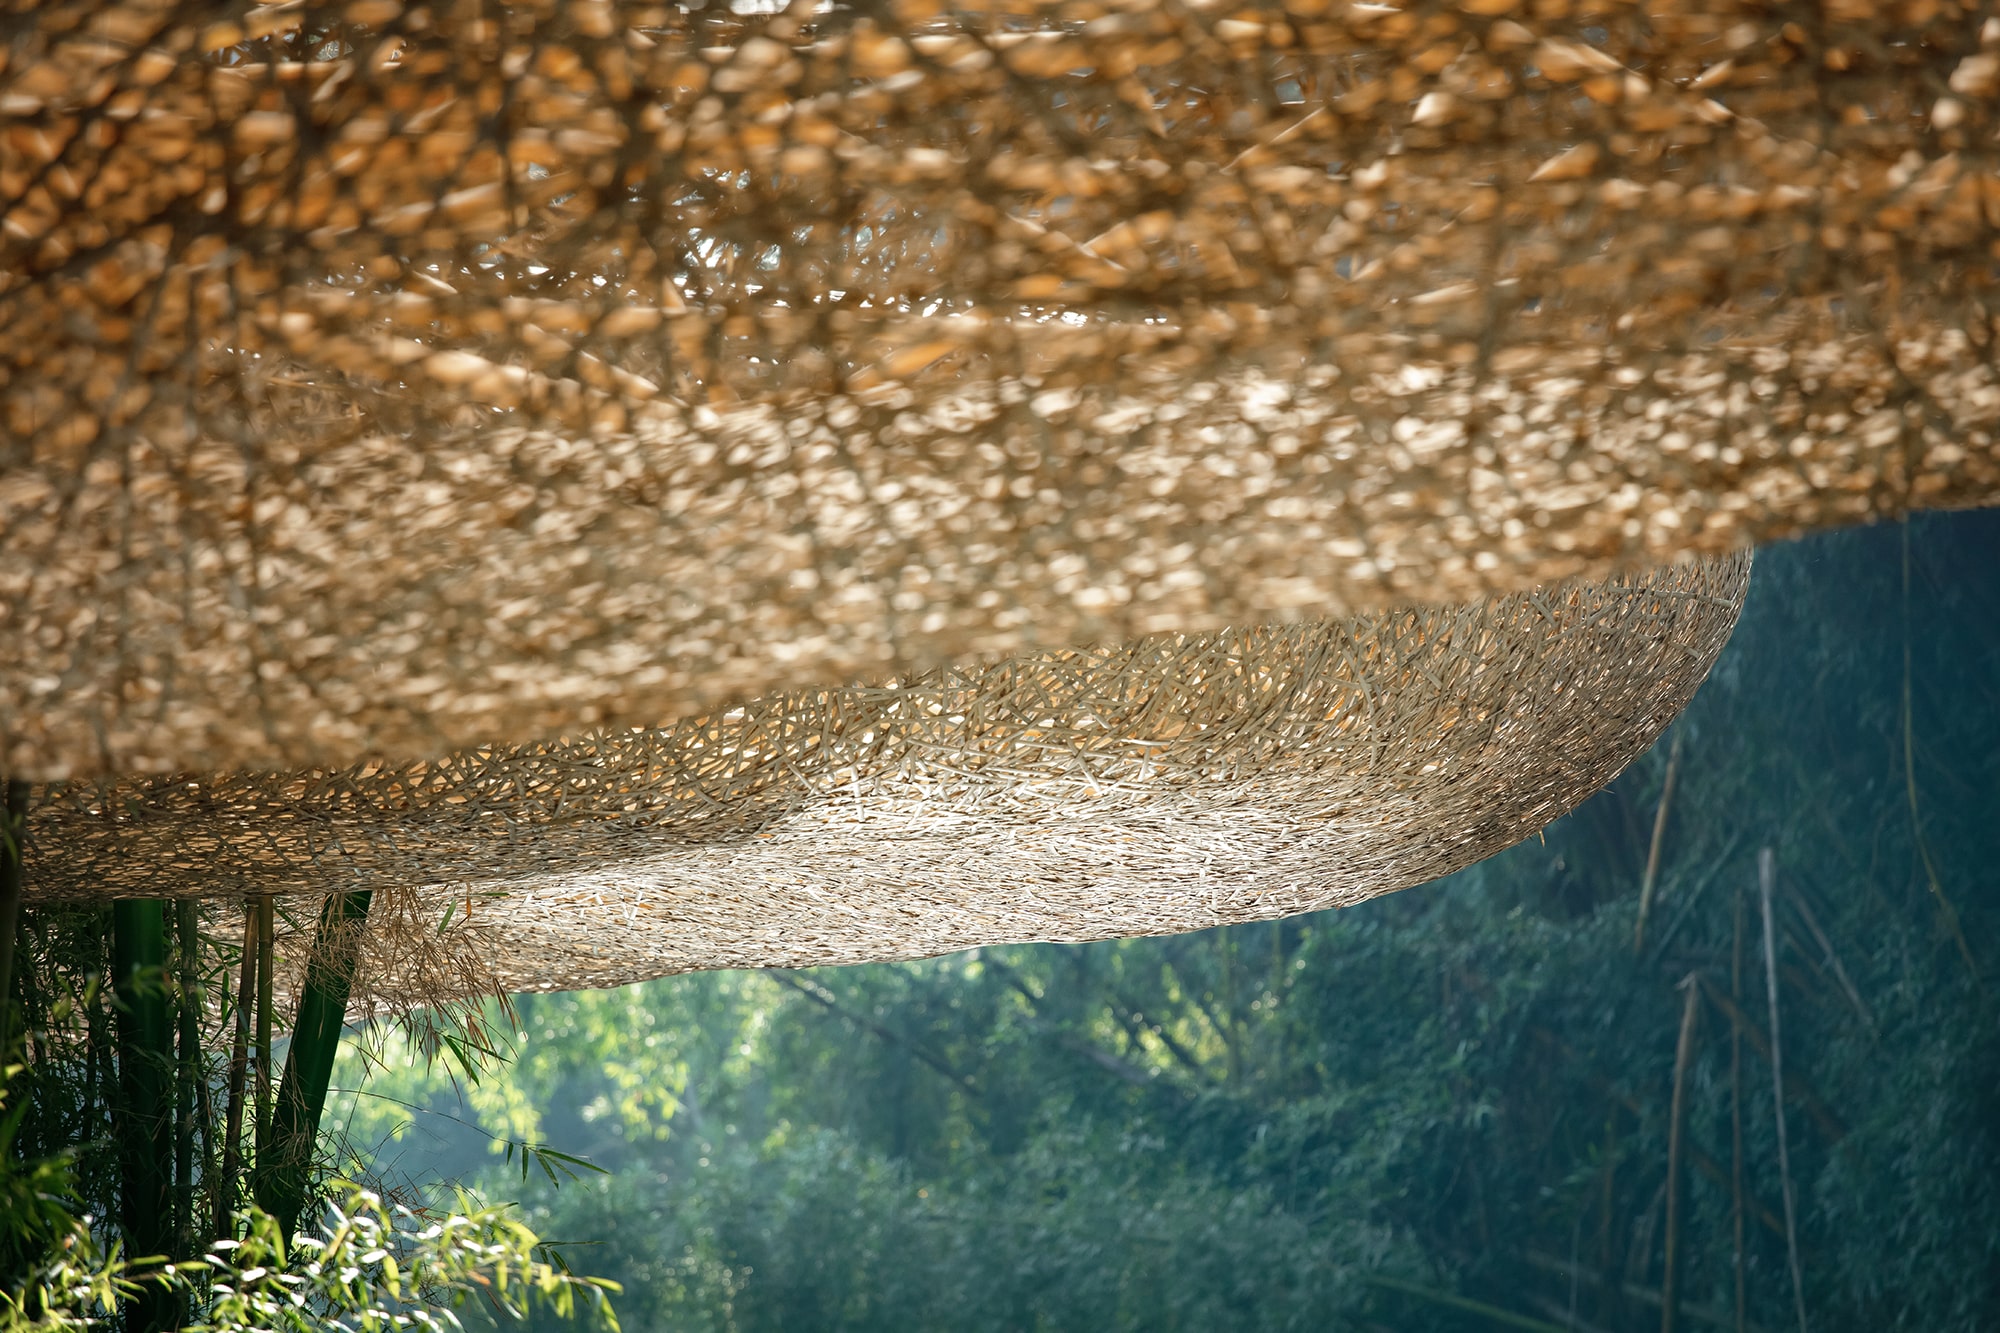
[1169,784]
[388,378]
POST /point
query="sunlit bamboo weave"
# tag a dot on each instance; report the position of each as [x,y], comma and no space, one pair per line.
[386,378]
[1168,784]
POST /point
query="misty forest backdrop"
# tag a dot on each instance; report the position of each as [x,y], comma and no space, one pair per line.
[1537,1094]
[1425,1112]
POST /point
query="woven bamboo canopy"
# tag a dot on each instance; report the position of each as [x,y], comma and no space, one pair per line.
[475,450]
[1169,784]
[386,378]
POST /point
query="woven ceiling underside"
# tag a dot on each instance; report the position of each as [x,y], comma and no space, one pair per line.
[1174,783]
[390,378]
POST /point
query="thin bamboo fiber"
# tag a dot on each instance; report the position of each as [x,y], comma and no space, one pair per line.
[1177,782]
[388,377]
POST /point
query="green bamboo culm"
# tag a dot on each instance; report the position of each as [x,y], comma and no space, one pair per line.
[13,837]
[284,1159]
[144,1120]
[267,927]
[188,1070]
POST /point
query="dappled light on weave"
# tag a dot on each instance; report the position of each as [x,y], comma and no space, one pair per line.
[384,378]
[1173,783]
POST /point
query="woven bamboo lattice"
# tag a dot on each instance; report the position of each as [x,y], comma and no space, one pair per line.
[390,378]
[1170,784]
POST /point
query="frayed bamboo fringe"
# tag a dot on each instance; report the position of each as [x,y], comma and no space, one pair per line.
[1177,782]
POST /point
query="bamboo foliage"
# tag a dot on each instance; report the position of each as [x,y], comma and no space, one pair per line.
[129,1064]
[1796,1087]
